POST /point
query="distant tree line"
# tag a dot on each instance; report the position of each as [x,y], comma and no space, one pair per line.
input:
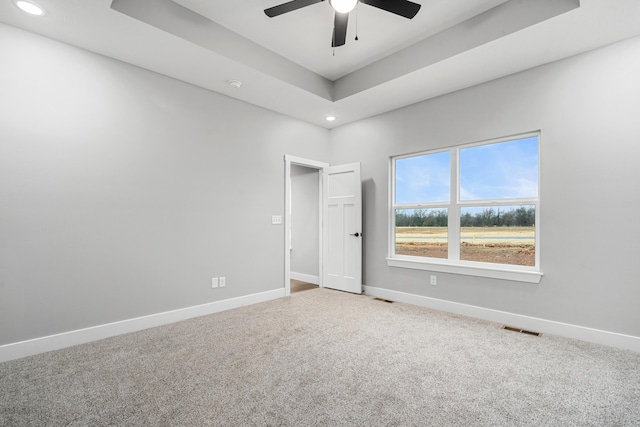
[489,217]
[422,218]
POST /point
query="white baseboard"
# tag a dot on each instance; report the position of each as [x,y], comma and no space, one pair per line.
[305,278]
[67,339]
[596,336]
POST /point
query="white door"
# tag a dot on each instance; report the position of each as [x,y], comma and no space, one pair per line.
[342,231]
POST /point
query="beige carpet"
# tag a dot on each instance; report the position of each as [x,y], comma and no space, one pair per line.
[325,358]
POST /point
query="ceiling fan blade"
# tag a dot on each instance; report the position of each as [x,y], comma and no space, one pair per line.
[289,7]
[403,8]
[340,29]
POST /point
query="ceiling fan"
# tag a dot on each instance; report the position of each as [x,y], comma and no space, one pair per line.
[404,8]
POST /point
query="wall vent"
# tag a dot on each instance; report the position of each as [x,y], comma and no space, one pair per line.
[383,300]
[522,331]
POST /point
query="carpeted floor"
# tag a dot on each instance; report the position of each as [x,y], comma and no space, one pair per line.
[322,358]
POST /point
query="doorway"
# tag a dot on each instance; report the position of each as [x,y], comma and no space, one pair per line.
[303,224]
[340,233]
[304,246]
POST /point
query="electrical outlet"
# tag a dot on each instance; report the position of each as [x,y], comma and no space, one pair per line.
[214,282]
[223,282]
[434,280]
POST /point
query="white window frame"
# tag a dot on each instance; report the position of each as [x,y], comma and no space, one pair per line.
[453,264]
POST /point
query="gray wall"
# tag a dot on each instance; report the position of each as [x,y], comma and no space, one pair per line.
[588,109]
[305,211]
[123,192]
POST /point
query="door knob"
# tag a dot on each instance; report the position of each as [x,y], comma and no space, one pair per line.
[355,234]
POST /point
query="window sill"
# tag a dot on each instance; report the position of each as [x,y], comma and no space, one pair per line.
[494,273]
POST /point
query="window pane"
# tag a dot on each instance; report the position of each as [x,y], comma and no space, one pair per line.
[422,232]
[503,235]
[423,179]
[504,170]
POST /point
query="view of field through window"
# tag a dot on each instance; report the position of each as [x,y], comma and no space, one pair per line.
[498,191]
[422,232]
[504,235]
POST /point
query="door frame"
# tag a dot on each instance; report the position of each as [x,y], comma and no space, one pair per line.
[312,164]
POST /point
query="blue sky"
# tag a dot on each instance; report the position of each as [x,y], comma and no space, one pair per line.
[423,178]
[487,172]
[497,171]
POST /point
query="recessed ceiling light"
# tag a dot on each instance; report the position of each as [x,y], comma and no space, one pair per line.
[30,7]
[330,118]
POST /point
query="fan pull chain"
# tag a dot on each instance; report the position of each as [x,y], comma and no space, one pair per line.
[357,21]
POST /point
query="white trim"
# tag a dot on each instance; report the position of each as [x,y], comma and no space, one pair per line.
[67,339]
[288,161]
[526,276]
[287,226]
[309,278]
[582,333]
[320,229]
[305,162]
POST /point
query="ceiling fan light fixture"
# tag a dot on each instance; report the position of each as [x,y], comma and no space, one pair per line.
[343,6]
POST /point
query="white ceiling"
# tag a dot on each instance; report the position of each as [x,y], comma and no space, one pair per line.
[286,63]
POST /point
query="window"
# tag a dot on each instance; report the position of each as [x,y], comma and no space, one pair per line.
[473,207]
